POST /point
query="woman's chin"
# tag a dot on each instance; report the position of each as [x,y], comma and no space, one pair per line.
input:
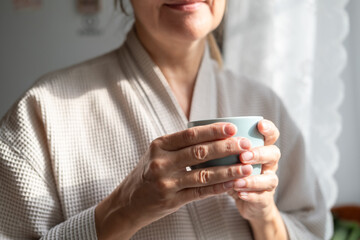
[188,30]
[189,34]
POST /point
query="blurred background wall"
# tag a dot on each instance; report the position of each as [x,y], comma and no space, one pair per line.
[36,41]
[51,36]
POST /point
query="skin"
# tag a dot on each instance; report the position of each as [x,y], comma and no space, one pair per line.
[175,39]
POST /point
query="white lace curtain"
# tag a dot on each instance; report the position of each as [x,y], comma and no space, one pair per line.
[295,47]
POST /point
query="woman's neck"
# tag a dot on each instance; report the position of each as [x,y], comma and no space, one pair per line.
[178,61]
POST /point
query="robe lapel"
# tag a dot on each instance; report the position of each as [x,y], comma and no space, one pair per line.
[160,96]
[204,101]
[156,90]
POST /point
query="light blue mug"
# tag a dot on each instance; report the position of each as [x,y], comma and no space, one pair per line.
[246,127]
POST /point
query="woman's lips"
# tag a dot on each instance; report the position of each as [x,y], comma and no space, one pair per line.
[186,6]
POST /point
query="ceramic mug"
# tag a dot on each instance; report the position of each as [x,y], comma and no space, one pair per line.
[246,127]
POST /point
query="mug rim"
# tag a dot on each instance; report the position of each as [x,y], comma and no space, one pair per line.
[226,118]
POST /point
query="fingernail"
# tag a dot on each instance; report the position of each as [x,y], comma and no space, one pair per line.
[243,194]
[240,183]
[247,156]
[265,125]
[230,129]
[246,169]
[229,184]
[244,143]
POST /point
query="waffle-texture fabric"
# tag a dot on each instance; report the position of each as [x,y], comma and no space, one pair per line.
[71,139]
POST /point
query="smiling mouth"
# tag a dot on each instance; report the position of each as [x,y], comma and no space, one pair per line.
[185,5]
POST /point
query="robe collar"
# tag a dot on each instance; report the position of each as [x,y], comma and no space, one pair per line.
[158,92]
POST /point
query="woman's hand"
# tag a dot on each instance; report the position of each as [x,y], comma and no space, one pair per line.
[254,195]
[160,184]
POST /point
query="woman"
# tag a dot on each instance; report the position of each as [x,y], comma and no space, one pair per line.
[100,150]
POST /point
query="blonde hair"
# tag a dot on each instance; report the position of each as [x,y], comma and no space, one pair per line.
[215,52]
[120,3]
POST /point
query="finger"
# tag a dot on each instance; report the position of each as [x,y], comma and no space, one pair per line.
[200,153]
[257,183]
[196,135]
[214,175]
[269,131]
[261,198]
[193,194]
[266,155]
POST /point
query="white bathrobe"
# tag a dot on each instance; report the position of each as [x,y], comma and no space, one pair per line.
[77,133]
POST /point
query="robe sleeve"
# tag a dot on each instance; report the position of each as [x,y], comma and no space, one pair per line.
[29,202]
[299,196]
[29,206]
